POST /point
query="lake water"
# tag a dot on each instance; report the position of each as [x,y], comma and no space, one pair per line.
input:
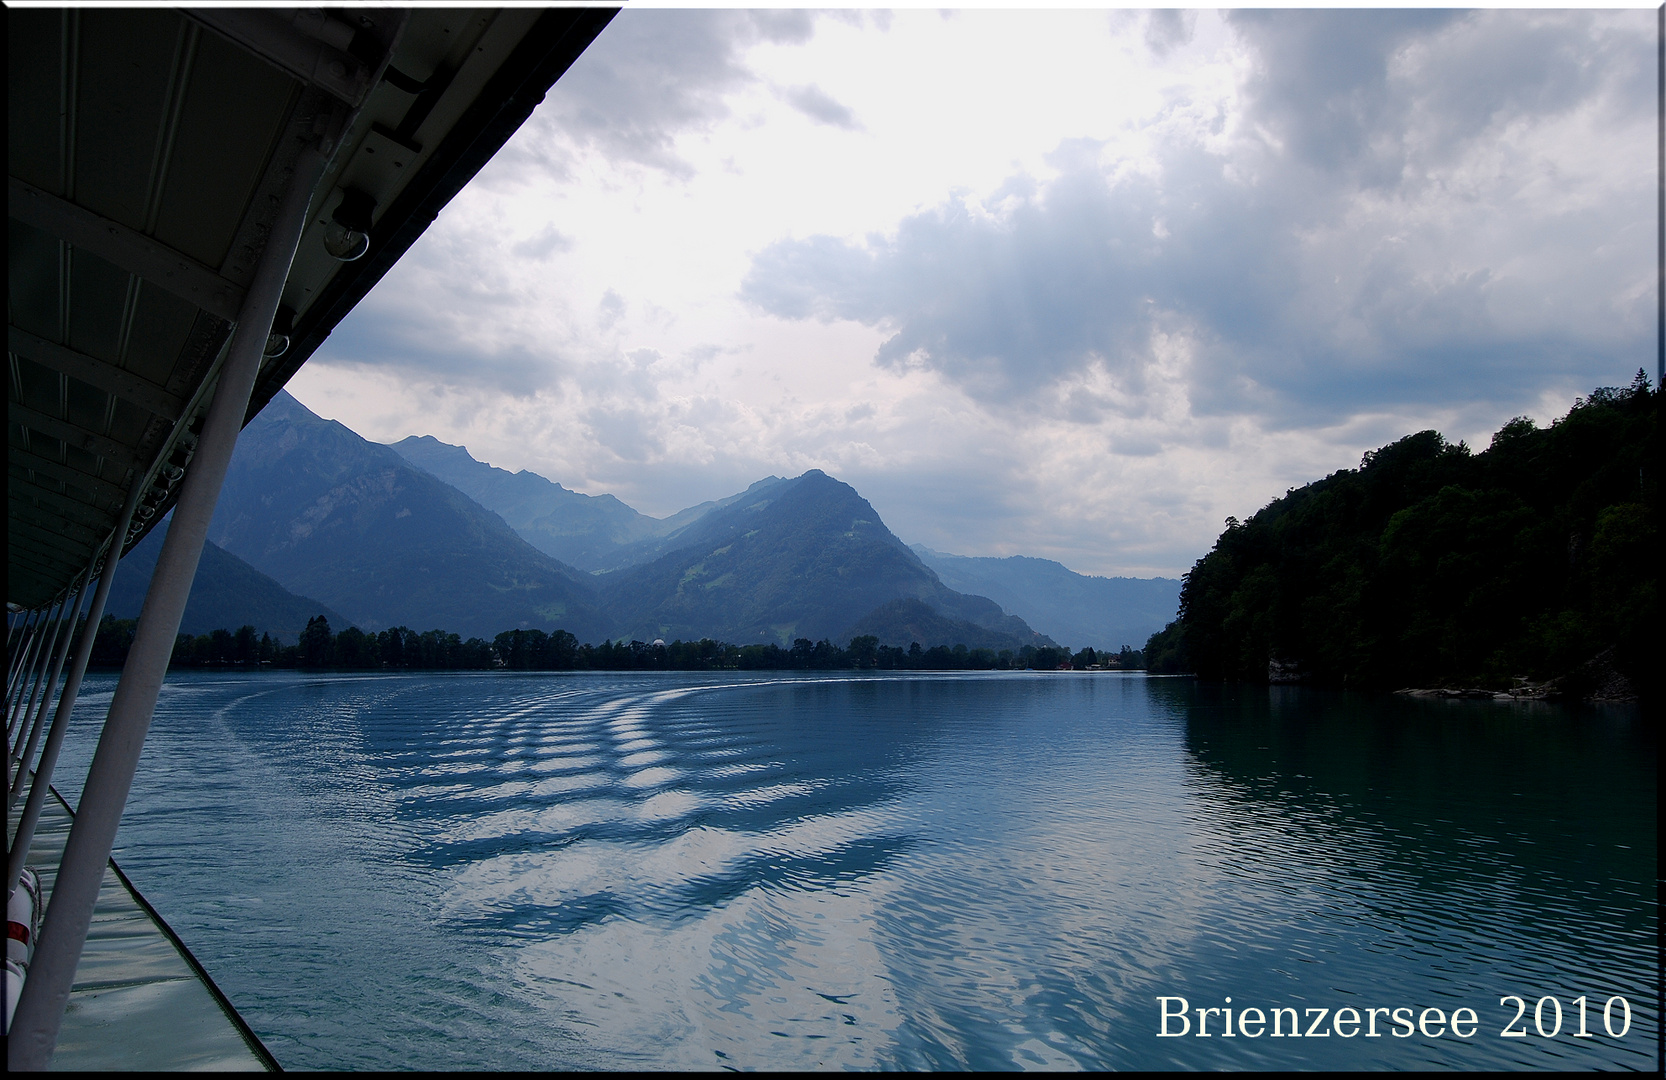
[675,870]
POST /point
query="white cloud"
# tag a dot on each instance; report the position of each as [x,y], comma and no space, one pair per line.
[1057,283]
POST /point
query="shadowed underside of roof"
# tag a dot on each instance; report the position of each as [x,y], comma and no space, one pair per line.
[147,150]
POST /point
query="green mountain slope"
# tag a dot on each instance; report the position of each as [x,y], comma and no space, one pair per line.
[352,523]
[1105,613]
[801,558]
[684,528]
[904,622]
[227,594]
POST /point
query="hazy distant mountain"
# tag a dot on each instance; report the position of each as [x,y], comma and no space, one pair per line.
[227,594]
[583,530]
[1077,609]
[789,558]
[904,622]
[385,543]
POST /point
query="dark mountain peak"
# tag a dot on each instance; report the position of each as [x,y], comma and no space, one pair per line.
[816,487]
[817,484]
[285,409]
[428,446]
[806,557]
[283,406]
[806,506]
[330,515]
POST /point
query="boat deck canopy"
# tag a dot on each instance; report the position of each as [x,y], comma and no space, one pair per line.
[147,152]
[195,199]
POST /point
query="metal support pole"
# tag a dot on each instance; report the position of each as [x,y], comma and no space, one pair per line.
[25,660]
[70,612]
[31,677]
[31,625]
[42,662]
[42,787]
[31,674]
[16,647]
[40,1010]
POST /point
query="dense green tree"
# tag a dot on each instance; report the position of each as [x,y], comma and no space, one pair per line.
[246,647]
[316,647]
[355,649]
[1433,565]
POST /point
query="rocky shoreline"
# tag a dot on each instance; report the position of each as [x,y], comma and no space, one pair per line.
[1597,680]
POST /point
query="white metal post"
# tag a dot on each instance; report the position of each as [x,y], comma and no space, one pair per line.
[40,1010]
[42,786]
[42,662]
[25,659]
[62,653]
[19,649]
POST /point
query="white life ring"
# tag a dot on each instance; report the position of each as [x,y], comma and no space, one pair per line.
[23,915]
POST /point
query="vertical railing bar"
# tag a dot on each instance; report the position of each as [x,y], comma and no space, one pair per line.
[15,723]
[62,651]
[42,787]
[14,728]
[31,672]
[31,621]
[24,659]
[15,699]
[17,729]
[16,638]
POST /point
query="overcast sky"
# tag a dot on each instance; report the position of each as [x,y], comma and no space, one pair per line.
[1073,284]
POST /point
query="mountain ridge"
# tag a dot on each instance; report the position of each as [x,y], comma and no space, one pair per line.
[331,515]
[378,534]
[575,528]
[825,561]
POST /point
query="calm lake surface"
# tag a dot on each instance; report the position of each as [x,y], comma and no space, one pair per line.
[677,870]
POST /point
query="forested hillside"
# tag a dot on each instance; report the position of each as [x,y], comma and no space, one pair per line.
[1431,565]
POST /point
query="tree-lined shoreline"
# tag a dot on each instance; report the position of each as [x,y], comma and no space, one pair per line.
[402,649]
